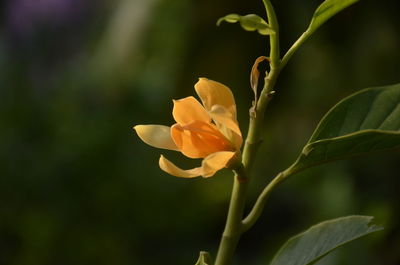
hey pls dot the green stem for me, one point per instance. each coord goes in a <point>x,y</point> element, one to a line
<point>258,207</point>
<point>294,47</point>
<point>273,38</point>
<point>234,226</point>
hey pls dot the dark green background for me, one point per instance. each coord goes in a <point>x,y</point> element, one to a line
<point>77,186</point>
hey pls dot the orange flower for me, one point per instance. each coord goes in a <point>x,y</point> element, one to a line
<point>209,131</point>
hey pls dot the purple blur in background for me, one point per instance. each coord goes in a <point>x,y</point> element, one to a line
<point>24,17</point>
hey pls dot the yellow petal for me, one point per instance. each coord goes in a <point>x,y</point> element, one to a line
<point>199,139</point>
<point>221,115</point>
<point>173,170</point>
<point>214,162</point>
<point>227,124</point>
<point>210,165</point>
<point>188,110</point>
<point>157,136</point>
<point>214,93</point>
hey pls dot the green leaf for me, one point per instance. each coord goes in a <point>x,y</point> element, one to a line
<point>249,22</point>
<point>204,258</point>
<point>319,240</point>
<point>231,18</point>
<point>326,10</point>
<point>363,122</point>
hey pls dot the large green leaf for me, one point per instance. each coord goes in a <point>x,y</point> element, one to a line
<point>319,240</point>
<point>364,122</point>
<point>326,10</point>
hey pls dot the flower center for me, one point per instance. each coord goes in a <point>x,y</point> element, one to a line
<point>199,139</point>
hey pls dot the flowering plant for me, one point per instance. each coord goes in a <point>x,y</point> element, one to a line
<point>363,122</point>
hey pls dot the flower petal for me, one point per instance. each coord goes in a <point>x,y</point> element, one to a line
<point>227,124</point>
<point>157,136</point>
<point>216,161</point>
<point>188,110</point>
<point>210,165</point>
<point>199,139</point>
<point>173,170</point>
<point>214,93</point>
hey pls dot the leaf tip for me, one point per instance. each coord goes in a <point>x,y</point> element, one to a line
<point>231,18</point>
<point>372,226</point>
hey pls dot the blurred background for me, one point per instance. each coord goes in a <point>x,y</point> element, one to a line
<point>77,186</point>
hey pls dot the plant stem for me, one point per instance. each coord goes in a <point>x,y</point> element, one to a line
<point>273,38</point>
<point>255,213</point>
<point>234,226</point>
<point>295,46</point>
